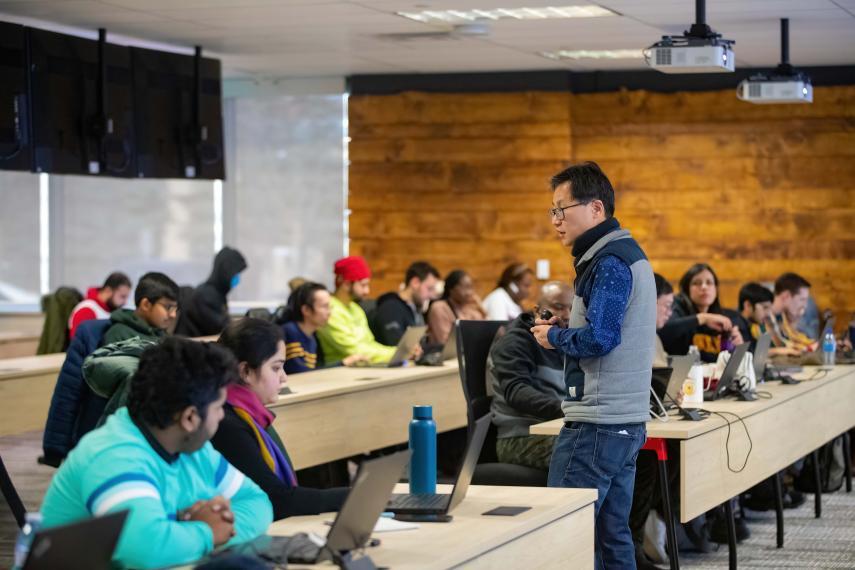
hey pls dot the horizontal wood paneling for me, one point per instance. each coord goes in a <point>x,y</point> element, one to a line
<point>462,180</point>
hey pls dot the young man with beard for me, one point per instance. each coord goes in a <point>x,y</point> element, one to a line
<point>398,310</point>
<point>100,302</point>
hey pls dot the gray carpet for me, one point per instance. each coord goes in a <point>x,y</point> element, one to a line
<point>828,542</point>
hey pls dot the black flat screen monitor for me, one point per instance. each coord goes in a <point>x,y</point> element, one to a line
<point>15,150</point>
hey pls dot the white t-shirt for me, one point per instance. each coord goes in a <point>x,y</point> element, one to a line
<point>500,306</point>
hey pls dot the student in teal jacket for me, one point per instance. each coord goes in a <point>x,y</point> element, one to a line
<point>154,459</point>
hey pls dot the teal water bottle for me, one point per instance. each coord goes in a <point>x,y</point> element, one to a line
<point>423,448</point>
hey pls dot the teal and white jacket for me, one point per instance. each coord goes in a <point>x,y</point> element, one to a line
<point>119,466</point>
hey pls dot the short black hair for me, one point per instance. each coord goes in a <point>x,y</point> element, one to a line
<point>421,270</point>
<point>663,286</point>
<point>251,340</point>
<point>302,296</point>
<point>178,373</point>
<point>686,284</point>
<point>791,282</point>
<point>115,280</point>
<point>754,293</point>
<point>513,273</point>
<point>154,286</point>
<point>587,183</point>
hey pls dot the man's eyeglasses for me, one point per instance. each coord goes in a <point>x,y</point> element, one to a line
<point>558,213</point>
<point>170,308</point>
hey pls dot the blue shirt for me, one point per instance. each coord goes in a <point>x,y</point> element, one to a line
<point>606,297</point>
<point>301,350</point>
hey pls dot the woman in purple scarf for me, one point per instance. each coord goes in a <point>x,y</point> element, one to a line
<point>246,437</point>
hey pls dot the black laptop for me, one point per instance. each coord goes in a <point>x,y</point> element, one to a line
<point>441,504</point>
<point>86,544</point>
<point>725,383</point>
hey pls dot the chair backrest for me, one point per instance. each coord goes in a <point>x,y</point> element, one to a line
<point>474,339</point>
<point>11,495</point>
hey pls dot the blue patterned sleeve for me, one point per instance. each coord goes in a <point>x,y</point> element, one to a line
<point>609,297</point>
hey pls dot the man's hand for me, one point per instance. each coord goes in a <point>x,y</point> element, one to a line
<point>736,336</point>
<point>415,353</point>
<point>541,333</point>
<point>217,514</point>
<point>355,360</point>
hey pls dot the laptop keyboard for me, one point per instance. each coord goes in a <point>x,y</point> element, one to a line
<point>419,501</point>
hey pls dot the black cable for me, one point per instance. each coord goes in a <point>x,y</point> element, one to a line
<point>763,394</point>
<point>818,375</point>
<point>727,440</point>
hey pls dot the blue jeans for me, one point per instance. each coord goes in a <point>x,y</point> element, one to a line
<point>602,457</point>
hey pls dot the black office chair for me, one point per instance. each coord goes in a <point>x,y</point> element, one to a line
<point>474,339</point>
<point>11,495</point>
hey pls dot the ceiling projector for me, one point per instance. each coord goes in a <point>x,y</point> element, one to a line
<point>784,85</point>
<point>698,50</point>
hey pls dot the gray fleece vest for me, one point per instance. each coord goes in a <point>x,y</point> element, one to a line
<point>615,388</point>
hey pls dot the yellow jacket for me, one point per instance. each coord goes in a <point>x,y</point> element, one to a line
<point>347,333</point>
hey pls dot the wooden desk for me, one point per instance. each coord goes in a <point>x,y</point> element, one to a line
<point>795,421</point>
<point>558,532</point>
<point>26,388</point>
<point>17,344</point>
<point>341,412</point>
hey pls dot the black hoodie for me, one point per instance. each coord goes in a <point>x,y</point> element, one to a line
<point>527,380</point>
<point>205,311</point>
<point>391,318</point>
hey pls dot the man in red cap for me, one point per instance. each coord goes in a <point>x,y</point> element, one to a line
<point>347,332</point>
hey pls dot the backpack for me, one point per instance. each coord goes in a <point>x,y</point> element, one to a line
<point>831,468</point>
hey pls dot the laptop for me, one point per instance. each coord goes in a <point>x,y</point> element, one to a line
<point>676,374</point>
<point>412,337</point>
<point>86,544</point>
<point>441,504</point>
<point>435,355</point>
<point>727,377</point>
<point>366,501</point>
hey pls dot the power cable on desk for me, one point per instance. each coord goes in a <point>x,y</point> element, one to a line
<point>727,439</point>
<point>763,394</point>
<point>818,375</point>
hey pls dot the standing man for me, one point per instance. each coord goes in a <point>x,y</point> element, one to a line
<point>100,302</point>
<point>608,349</point>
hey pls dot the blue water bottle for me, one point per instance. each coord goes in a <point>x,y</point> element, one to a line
<point>423,447</point>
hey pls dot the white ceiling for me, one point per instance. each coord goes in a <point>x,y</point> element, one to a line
<point>301,38</point>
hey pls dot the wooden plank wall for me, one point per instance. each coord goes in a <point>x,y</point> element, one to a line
<point>462,180</point>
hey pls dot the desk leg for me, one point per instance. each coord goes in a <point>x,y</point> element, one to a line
<point>779,508</point>
<point>847,457</point>
<point>731,534</point>
<point>670,523</point>
<point>817,482</point>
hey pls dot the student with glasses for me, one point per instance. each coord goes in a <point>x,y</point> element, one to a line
<point>156,297</point>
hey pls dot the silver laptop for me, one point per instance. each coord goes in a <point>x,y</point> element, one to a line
<point>680,366</point>
<point>412,337</point>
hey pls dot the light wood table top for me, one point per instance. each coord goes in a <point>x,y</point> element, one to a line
<point>557,531</point>
<point>26,366</point>
<point>677,428</point>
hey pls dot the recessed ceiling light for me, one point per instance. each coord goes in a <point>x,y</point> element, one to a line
<point>544,13</point>
<point>594,54</point>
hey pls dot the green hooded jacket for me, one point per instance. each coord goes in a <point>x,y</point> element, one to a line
<point>127,324</point>
<point>108,371</point>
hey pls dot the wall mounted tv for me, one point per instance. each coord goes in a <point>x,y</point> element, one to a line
<point>15,150</point>
<point>179,115</point>
<point>82,105</point>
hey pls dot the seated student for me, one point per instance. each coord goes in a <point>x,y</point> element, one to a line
<point>246,437</point>
<point>528,383</point>
<point>101,301</point>
<point>698,317</point>
<point>791,298</point>
<point>156,297</point>
<point>396,311</point>
<point>514,287</point>
<point>307,311</point>
<point>458,301</point>
<point>205,310</point>
<point>153,458</point>
<point>346,332</point>
<point>755,312</point>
